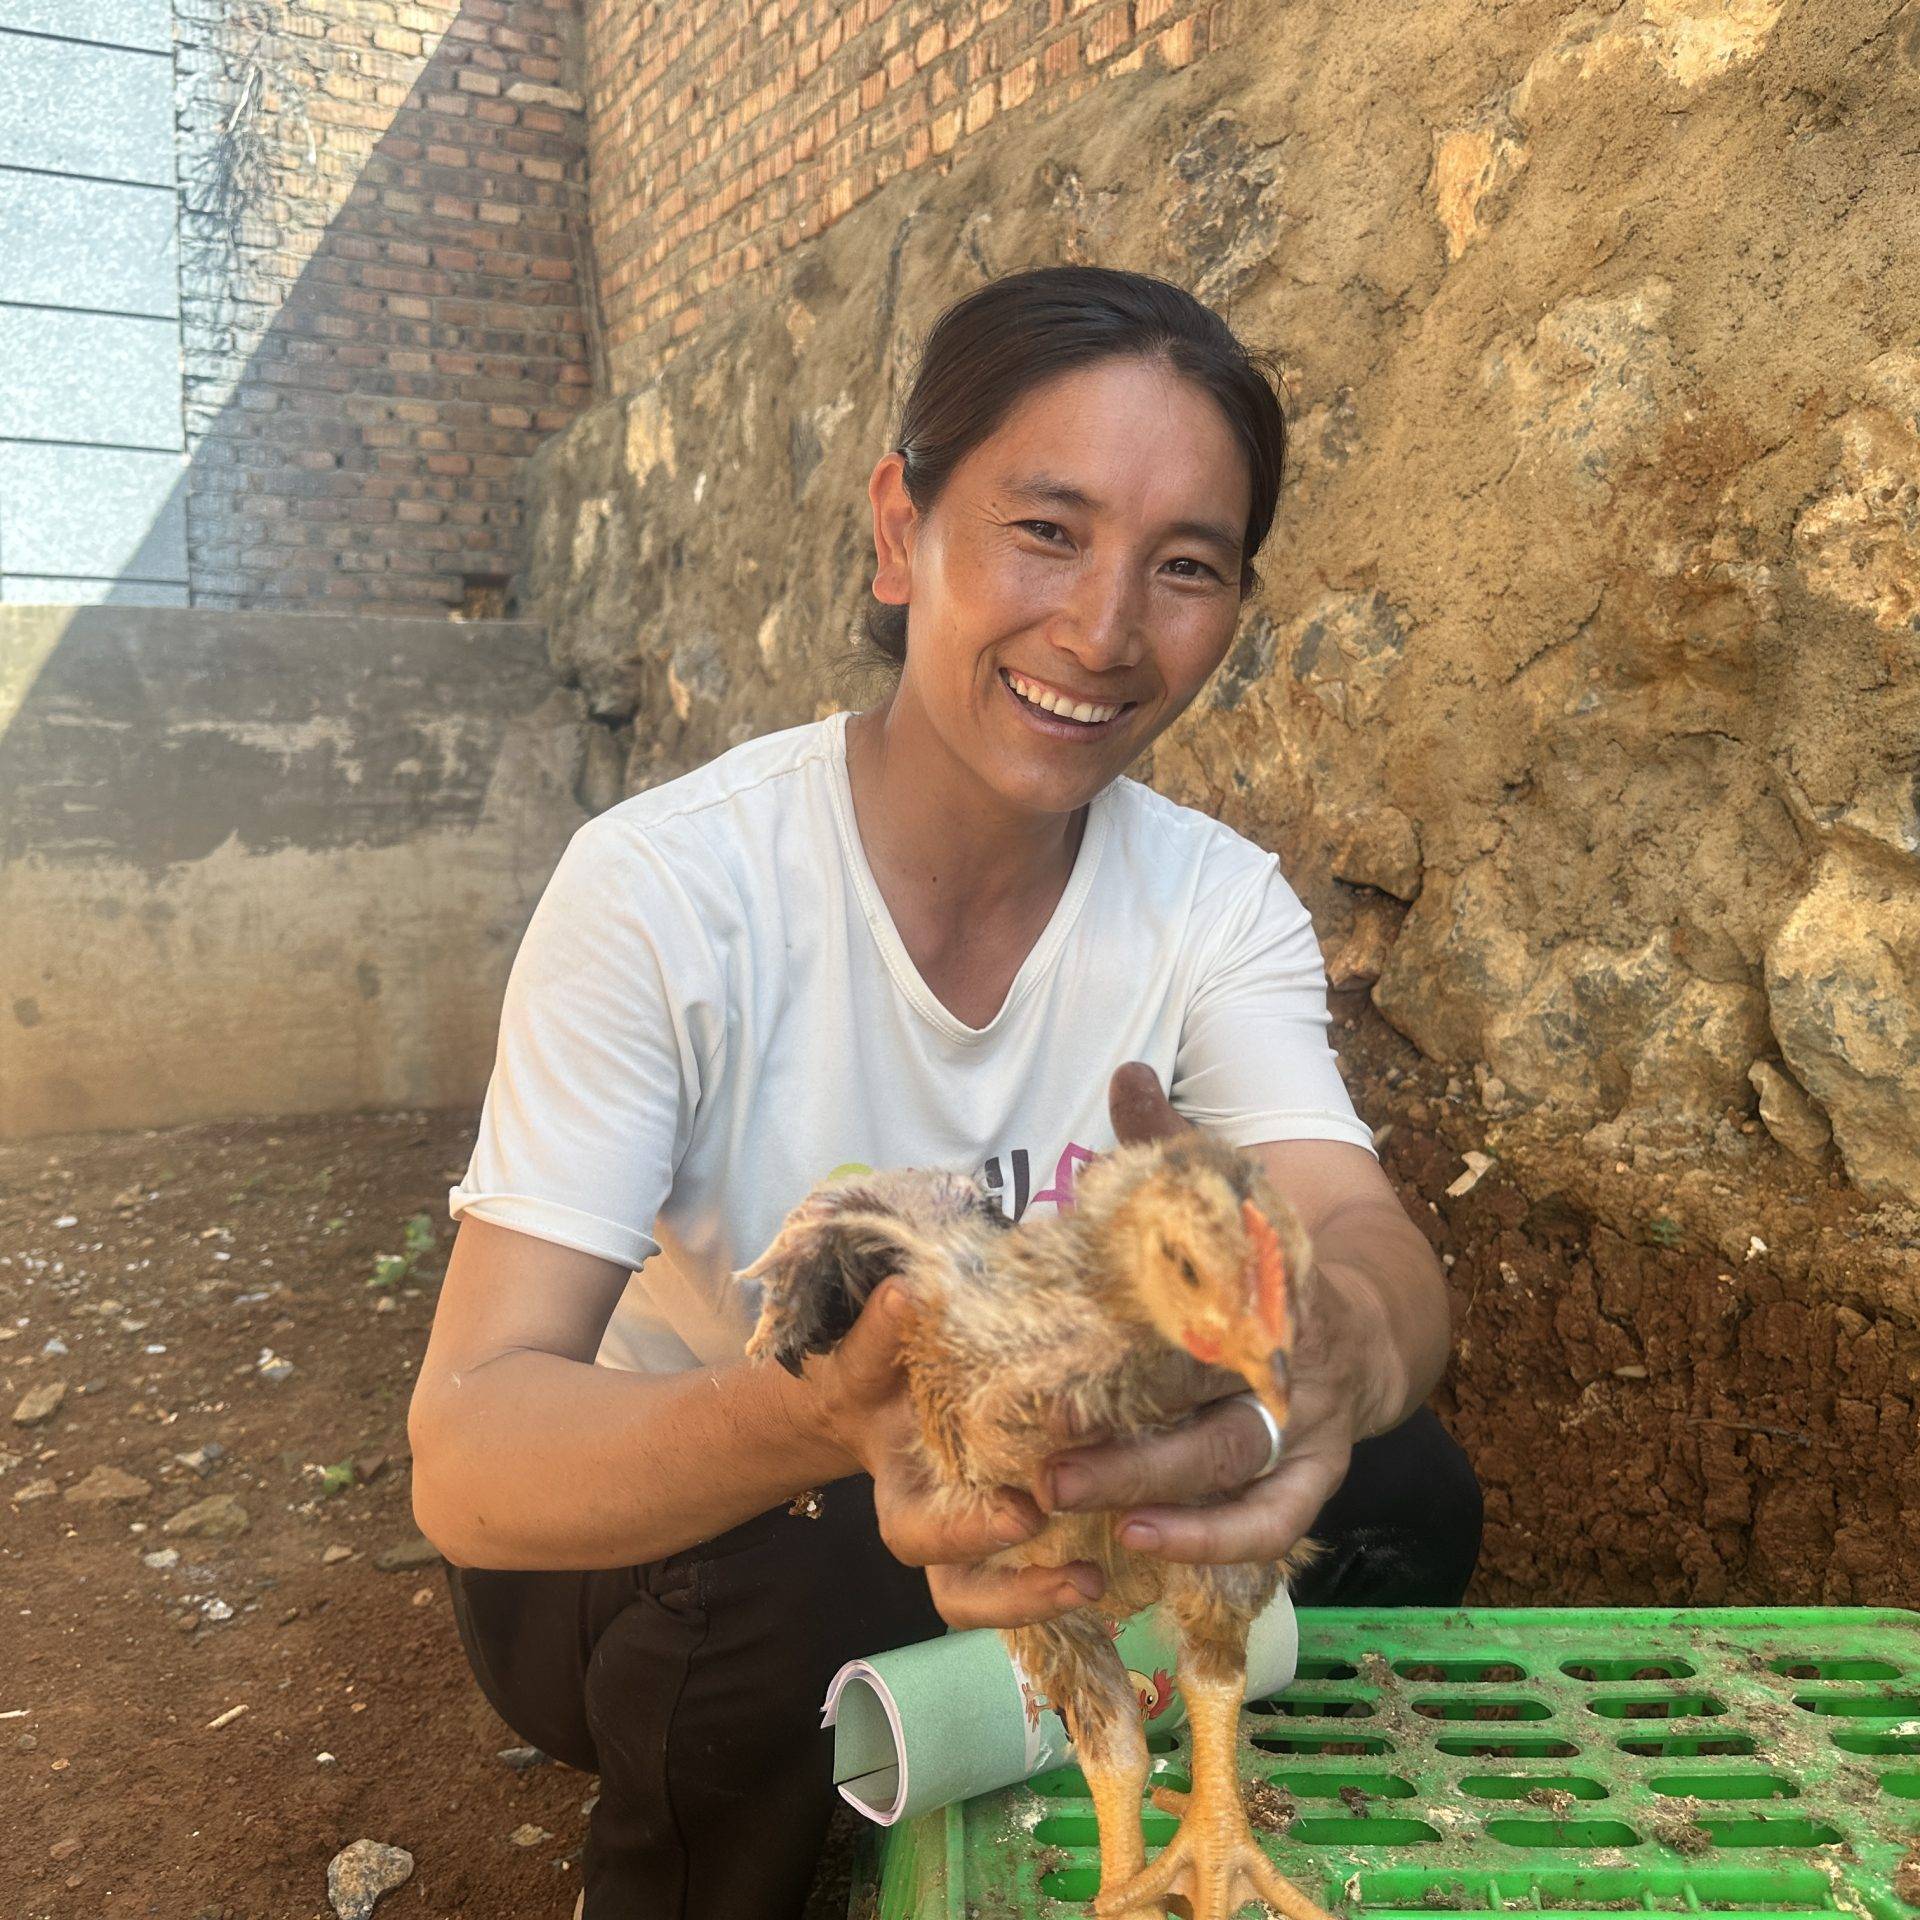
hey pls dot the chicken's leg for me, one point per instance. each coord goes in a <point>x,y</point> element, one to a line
<point>1072,1662</point>
<point>1213,1862</point>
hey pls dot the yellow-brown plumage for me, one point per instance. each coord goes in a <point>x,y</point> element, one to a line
<point>1094,1318</point>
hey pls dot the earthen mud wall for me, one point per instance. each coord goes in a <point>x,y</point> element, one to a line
<point>1581,697</point>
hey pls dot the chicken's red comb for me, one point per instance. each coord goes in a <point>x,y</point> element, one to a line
<point>1270,1301</point>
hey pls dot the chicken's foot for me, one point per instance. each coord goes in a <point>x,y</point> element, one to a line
<point>1213,1861</point>
<point>1115,1783</point>
<point>1073,1663</point>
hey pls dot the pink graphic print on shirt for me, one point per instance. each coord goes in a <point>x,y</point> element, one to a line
<point>1010,1180</point>
<point>1060,1193</point>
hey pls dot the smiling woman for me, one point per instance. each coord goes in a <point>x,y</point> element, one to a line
<point>1039,657</point>
<point>990,357</point>
<point>947,932</point>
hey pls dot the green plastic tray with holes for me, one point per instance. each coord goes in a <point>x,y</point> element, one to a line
<point>1579,1761</point>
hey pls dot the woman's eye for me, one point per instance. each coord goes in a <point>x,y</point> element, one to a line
<point>1042,529</point>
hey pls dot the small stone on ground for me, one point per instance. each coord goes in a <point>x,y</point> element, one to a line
<point>219,1517</point>
<point>408,1555</point>
<point>358,1875</point>
<point>107,1484</point>
<point>39,1404</point>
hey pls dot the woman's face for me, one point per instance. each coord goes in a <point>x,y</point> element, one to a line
<point>1126,596</point>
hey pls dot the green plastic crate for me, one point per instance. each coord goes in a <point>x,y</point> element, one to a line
<point>1577,1761</point>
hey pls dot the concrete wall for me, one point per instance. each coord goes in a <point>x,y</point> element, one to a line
<point>255,864</point>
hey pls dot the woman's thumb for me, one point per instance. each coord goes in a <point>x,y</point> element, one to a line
<point>1139,1110</point>
<point>870,1354</point>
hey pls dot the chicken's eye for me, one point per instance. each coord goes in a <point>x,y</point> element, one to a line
<point>1182,1261</point>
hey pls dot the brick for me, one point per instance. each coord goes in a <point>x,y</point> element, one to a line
<point>559,98</point>
<point>1108,34</point>
<point>1175,45</point>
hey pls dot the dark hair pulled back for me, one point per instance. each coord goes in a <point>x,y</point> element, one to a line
<point>994,344</point>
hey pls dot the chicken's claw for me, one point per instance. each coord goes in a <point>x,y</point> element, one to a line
<point>1213,1863</point>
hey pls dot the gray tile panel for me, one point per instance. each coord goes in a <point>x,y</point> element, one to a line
<point>69,108</point>
<point>121,23</point>
<point>88,243</point>
<point>90,376</point>
<point>95,512</point>
<point>35,590</point>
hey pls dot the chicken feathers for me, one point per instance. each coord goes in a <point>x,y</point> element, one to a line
<point>1169,1283</point>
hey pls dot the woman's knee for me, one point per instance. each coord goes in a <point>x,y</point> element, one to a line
<point>519,1633</point>
<point>1404,1528</point>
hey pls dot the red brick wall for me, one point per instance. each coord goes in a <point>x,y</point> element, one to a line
<point>373,355</point>
<point>723,133</point>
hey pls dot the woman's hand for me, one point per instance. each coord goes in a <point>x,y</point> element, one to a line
<point>1213,1456</point>
<point>861,1399</point>
<point>1219,1449</point>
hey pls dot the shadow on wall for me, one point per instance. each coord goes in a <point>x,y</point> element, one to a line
<point>265,863</point>
<point>260,863</point>
<point>373,333</point>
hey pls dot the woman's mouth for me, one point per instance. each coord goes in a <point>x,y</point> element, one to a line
<point>1062,725</point>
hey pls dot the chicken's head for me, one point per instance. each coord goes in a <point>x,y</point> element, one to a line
<point>1205,1251</point>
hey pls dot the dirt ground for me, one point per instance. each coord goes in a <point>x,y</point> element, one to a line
<point>1684,1378</point>
<point>168,1265</point>
<point>165,1277</point>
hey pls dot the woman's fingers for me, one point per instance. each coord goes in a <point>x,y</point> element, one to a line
<point>1011,1596</point>
<point>1221,1447</point>
<point>1262,1524</point>
<point>924,1530</point>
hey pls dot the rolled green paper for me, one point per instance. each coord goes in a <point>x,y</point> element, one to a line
<point>926,1725</point>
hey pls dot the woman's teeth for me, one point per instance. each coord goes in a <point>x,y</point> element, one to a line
<point>1053,703</point>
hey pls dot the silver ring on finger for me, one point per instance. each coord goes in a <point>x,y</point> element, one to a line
<point>1275,1435</point>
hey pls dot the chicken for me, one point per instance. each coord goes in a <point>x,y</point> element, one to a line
<point>1167,1284</point>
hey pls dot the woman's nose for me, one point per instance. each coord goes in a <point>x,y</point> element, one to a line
<point>1103,627</point>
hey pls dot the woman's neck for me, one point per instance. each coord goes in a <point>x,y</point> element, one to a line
<point>936,834</point>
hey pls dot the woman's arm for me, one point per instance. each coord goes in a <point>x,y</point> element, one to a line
<point>527,1455</point>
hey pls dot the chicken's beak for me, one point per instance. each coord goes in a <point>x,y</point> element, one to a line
<point>1266,1369</point>
<point>1263,1347</point>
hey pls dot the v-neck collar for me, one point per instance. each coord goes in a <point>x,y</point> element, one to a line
<point>887,936</point>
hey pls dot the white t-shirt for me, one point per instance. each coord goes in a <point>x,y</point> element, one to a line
<point>711,1010</point>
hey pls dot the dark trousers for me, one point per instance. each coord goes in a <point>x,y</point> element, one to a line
<point>693,1686</point>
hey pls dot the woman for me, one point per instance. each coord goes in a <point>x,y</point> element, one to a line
<point>924,934</point>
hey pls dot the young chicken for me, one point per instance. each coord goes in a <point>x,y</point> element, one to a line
<point>1170,1276</point>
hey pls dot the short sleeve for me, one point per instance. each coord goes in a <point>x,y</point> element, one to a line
<point>1254,1063</point>
<point>607,1028</point>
